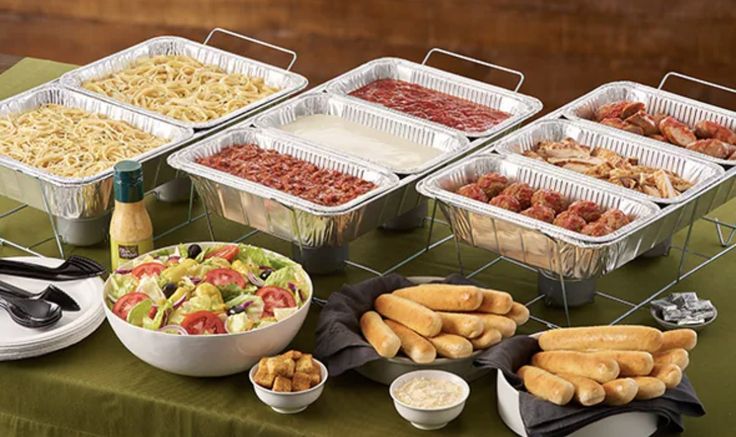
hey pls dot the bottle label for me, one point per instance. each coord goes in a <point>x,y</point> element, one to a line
<point>122,252</point>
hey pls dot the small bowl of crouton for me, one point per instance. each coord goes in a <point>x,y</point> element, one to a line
<point>290,382</point>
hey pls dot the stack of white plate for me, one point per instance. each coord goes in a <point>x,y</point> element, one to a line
<point>17,342</point>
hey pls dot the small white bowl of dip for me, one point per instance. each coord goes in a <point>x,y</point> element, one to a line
<point>429,399</point>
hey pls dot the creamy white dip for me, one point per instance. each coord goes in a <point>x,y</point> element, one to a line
<point>383,148</point>
<point>421,392</point>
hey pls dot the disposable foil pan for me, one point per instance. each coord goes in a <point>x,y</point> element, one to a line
<point>686,110</point>
<point>701,173</point>
<point>87,197</point>
<point>288,82</point>
<point>283,215</point>
<point>540,244</point>
<point>420,132</point>
<point>520,106</point>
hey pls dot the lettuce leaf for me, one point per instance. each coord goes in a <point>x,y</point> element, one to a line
<point>255,257</point>
<point>121,285</point>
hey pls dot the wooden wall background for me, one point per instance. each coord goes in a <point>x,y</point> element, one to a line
<point>565,47</point>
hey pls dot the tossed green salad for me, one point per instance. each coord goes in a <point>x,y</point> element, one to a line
<point>193,290</point>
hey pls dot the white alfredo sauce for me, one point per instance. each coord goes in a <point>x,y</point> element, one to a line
<point>388,150</point>
<point>424,392</point>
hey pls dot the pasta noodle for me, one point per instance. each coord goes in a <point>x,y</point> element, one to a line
<point>71,142</point>
<point>181,87</point>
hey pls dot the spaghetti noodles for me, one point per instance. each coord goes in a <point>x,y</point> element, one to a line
<point>71,142</point>
<point>181,87</point>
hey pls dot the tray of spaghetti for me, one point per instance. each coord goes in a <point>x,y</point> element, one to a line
<point>545,217</point>
<point>58,148</point>
<point>188,83</point>
<point>286,187</point>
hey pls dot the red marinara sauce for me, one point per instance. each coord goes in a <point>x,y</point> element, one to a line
<point>455,112</point>
<point>288,174</point>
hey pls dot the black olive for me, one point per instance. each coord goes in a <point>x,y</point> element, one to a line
<point>193,250</point>
<point>169,289</point>
<point>265,274</point>
<point>237,309</point>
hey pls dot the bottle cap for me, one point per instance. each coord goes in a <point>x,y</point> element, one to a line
<point>128,181</point>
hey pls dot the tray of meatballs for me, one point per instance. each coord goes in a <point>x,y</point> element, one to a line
<point>544,216</point>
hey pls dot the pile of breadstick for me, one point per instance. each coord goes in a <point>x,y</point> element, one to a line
<point>451,321</point>
<point>607,364</point>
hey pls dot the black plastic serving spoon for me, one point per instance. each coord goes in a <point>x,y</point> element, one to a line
<point>31,313</point>
<point>52,293</point>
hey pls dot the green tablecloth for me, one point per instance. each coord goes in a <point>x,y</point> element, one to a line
<point>98,388</point>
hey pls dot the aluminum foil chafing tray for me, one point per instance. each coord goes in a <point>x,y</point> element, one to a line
<point>288,82</point>
<point>451,145</point>
<point>537,243</point>
<point>520,106</point>
<point>686,110</point>
<point>278,213</point>
<point>704,175</point>
<point>91,196</point>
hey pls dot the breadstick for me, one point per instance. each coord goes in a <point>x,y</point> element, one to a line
<point>496,302</point>
<point>501,323</point>
<point>680,357</point>
<point>488,339</point>
<point>409,313</point>
<point>679,339</point>
<point>577,363</point>
<point>379,335</point>
<point>464,325</point>
<point>547,386</point>
<point>452,346</point>
<point>649,387</point>
<point>635,338</point>
<point>630,363</point>
<point>670,374</point>
<point>620,391</point>
<point>416,347</point>
<point>587,391</point>
<point>518,313</point>
<point>443,297</point>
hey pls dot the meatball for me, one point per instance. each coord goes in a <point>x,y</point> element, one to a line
<point>596,229</point>
<point>614,219</point>
<point>551,199</point>
<point>474,192</point>
<point>492,184</point>
<point>569,220</point>
<point>589,211</point>
<point>506,201</point>
<point>540,212</point>
<point>523,193</point>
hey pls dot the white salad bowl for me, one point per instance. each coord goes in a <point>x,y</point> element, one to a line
<point>289,403</point>
<point>430,418</point>
<point>208,355</point>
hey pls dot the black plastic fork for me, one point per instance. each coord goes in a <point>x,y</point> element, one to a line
<point>75,267</point>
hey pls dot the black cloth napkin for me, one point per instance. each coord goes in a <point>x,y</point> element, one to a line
<point>542,418</point>
<point>340,344</point>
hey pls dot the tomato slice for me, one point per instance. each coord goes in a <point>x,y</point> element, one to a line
<point>148,269</point>
<point>203,322</point>
<point>275,297</point>
<point>125,303</point>
<point>222,277</point>
<point>227,252</point>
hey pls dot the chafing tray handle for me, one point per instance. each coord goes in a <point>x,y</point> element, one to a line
<point>517,73</point>
<point>292,53</point>
<point>694,79</point>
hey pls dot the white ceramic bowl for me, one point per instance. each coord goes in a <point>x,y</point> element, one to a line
<point>207,355</point>
<point>289,403</point>
<point>430,418</point>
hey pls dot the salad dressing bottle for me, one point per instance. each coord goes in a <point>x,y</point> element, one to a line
<point>131,231</point>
